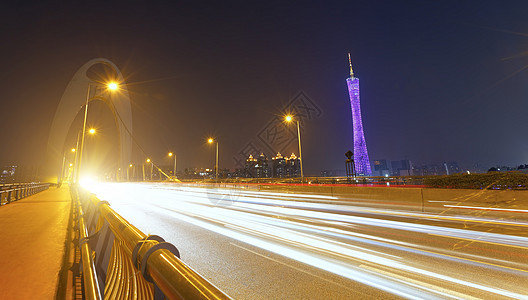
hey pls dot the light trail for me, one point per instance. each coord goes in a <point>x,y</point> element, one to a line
<point>488,208</point>
<point>404,257</point>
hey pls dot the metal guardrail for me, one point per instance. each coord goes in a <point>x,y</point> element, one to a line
<point>16,191</point>
<point>121,262</point>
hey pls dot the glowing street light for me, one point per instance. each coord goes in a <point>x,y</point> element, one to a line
<point>289,119</point>
<point>128,171</point>
<point>91,131</point>
<point>63,171</point>
<point>174,171</point>
<point>113,86</point>
<point>151,168</point>
<point>210,141</point>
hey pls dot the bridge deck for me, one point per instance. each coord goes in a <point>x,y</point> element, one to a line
<point>32,236</point>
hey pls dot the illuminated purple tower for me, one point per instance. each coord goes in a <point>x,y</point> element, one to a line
<point>361,158</point>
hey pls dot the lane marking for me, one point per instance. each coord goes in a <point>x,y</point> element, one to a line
<point>293,267</point>
<point>451,218</point>
<point>479,241</point>
<point>488,208</point>
<point>419,283</point>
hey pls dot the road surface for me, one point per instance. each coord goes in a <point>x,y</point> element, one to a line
<point>263,245</point>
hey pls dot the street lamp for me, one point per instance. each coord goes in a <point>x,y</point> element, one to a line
<point>174,171</point>
<point>78,154</point>
<point>63,171</point>
<point>111,86</point>
<point>289,119</point>
<point>210,141</point>
<point>128,172</point>
<point>151,167</point>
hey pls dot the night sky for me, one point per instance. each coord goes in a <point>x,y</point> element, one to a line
<point>440,80</point>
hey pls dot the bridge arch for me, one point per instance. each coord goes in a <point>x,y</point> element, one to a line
<point>73,100</point>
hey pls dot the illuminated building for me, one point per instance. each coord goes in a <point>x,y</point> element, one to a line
<point>279,167</point>
<point>257,167</point>
<point>295,166</point>
<point>262,169</point>
<point>283,166</point>
<point>361,158</point>
<point>249,167</point>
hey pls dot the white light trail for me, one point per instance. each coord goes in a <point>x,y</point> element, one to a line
<point>322,234</point>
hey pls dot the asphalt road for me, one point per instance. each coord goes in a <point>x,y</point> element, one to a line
<point>262,245</point>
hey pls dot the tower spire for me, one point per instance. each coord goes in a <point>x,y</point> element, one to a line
<point>350,63</point>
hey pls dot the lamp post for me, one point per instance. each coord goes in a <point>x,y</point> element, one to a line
<point>151,167</point>
<point>210,141</point>
<point>78,157</point>
<point>288,119</point>
<point>111,86</point>
<point>174,170</point>
<point>75,177</point>
<point>63,162</point>
<point>128,171</point>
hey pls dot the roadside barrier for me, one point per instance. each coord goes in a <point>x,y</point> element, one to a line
<point>353,181</point>
<point>121,262</point>
<point>16,191</point>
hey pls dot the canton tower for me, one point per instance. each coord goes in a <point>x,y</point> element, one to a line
<point>361,158</point>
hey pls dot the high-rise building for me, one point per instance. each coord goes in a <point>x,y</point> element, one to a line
<point>361,158</point>
<point>381,167</point>
<point>283,166</point>
<point>279,166</point>
<point>249,167</point>
<point>262,169</point>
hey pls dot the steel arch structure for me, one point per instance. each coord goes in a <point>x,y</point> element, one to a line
<point>73,100</point>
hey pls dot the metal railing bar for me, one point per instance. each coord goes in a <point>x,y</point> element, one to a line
<point>173,277</point>
<point>91,286</point>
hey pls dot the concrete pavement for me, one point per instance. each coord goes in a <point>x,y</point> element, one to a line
<point>33,233</point>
